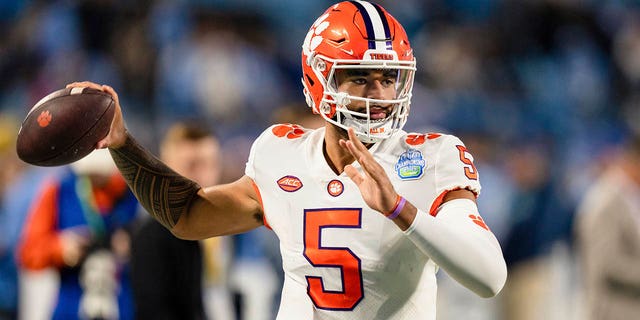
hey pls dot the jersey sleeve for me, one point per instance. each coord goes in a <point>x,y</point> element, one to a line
<point>454,169</point>
<point>266,144</point>
<point>250,167</point>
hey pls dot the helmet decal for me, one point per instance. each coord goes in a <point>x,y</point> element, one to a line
<point>376,25</point>
<point>314,37</point>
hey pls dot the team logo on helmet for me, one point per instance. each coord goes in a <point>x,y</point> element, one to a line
<point>314,36</point>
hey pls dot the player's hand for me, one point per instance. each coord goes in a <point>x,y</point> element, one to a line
<point>74,244</point>
<point>117,133</point>
<point>374,184</point>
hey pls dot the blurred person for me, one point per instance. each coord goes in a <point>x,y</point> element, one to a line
<point>365,212</point>
<point>607,233</point>
<point>167,272</point>
<point>538,222</point>
<point>24,294</point>
<point>78,226</point>
<point>253,280</point>
<point>17,181</point>
<point>9,218</point>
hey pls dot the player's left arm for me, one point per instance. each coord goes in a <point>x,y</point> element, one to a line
<point>455,238</point>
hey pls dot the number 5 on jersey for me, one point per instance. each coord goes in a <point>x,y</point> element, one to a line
<point>332,257</point>
<point>470,170</point>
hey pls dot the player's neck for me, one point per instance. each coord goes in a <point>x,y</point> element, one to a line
<point>334,162</point>
<point>336,156</point>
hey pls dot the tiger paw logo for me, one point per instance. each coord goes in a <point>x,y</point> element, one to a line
<point>291,131</point>
<point>314,36</point>
<point>335,188</point>
<point>478,220</point>
<point>44,118</point>
<point>415,139</point>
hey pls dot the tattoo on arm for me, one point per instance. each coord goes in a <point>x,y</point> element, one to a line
<point>165,194</point>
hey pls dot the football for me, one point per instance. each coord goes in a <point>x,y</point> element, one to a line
<point>64,126</point>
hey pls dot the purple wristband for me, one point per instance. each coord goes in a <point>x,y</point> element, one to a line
<point>398,208</point>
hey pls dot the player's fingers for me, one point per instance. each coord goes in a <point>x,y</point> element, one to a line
<point>84,84</point>
<point>74,84</point>
<point>109,90</point>
<point>104,143</point>
<point>353,174</point>
<point>370,166</point>
<point>353,149</point>
<point>359,146</point>
<point>363,156</point>
<point>360,152</point>
<point>360,156</point>
<point>347,144</point>
<point>117,131</point>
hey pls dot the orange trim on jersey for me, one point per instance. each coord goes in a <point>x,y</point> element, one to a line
<point>40,246</point>
<point>437,202</point>
<point>264,216</point>
<point>440,199</point>
<point>415,139</point>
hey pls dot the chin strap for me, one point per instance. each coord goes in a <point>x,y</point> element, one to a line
<point>459,242</point>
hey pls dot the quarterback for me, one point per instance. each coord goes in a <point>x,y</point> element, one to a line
<point>365,212</point>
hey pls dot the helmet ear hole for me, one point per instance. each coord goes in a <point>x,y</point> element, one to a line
<point>319,65</point>
<point>327,110</point>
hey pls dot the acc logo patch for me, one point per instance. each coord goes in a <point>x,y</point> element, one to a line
<point>410,165</point>
<point>289,183</point>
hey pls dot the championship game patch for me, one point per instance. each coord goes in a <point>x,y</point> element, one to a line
<point>410,165</point>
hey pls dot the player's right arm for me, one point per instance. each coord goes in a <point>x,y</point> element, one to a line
<point>179,204</point>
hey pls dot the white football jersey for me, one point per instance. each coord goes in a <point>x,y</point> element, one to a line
<point>341,259</point>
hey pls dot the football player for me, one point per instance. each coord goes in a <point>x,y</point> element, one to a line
<point>365,212</point>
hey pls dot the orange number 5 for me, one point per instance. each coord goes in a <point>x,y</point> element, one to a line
<point>469,171</point>
<point>332,257</point>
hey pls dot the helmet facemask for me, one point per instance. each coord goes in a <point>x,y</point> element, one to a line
<point>334,104</point>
